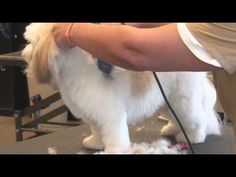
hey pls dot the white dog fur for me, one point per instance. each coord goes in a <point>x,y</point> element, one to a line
<point>109,103</point>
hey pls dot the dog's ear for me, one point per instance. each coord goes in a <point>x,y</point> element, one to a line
<point>38,57</point>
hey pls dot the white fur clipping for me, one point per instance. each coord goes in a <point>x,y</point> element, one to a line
<point>156,147</point>
<point>52,151</point>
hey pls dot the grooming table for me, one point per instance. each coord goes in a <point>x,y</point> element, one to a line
<point>69,141</point>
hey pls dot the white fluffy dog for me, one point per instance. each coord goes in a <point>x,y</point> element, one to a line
<point>109,102</point>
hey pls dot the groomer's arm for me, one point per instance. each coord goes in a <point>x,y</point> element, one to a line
<point>146,25</point>
<point>153,49</point>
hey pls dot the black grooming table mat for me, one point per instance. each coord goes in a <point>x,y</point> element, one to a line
<point>69,141</point>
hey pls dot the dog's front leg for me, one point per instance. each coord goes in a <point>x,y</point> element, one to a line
<point>94,141</point>
<point>116,135</point>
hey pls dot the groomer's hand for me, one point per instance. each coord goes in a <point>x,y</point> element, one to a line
<point>59,32</point>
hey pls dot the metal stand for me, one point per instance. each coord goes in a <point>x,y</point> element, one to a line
<point>38,119</point>
<point>36,99</point>
<point>18,122</point>
<point>70,117</point>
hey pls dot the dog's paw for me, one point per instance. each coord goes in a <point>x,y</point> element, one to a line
<point>93,143</point>
<point>169,130</point>
<point>194,138</point>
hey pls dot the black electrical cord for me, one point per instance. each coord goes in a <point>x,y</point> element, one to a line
<point>173,112</point>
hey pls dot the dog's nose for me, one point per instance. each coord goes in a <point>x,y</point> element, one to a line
<point>104,67</point>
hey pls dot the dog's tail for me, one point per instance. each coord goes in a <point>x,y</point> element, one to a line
<point>41,49</point>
